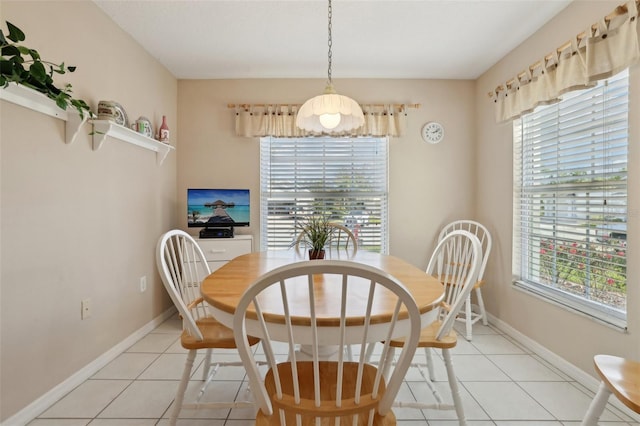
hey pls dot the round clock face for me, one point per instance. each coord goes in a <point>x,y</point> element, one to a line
<point>432,132</point>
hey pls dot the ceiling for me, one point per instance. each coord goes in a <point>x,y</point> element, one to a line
<point>434,39</point>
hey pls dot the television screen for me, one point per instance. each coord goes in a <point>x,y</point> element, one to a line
<point>212,208</point>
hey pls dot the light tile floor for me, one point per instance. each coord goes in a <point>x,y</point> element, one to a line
<point>502,384</point>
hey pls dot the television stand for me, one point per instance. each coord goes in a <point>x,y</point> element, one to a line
<point>217,232</point>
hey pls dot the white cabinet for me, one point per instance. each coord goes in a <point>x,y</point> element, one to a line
<point>219,251</point>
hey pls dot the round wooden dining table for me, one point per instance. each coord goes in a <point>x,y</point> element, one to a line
<point>223,288</point>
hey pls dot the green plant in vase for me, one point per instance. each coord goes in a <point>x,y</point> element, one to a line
<point>22,65</point>
<point>315,233</point>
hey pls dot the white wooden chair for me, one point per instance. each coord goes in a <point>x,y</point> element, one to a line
<point>182,267</point>
<point>342,241</point>
<point>300,391</point>
<point>470,316</point>
<point>620,377</point>
<point>456,261</point>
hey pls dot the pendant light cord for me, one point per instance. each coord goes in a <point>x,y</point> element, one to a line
<point>330,43</point>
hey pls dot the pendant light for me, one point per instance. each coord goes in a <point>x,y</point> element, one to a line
<point>330,112</point>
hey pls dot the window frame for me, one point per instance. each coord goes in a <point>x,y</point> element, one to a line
<point>526,219</point>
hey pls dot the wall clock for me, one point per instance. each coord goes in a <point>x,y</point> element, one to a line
<point>432,132</point>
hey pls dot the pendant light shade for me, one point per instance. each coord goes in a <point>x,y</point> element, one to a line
<point>330,112</point>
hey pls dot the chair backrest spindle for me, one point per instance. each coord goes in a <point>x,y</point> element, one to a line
<point>477,229</point>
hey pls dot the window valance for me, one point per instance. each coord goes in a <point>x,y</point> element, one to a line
<point>260,120</point>
<point>603,50</point>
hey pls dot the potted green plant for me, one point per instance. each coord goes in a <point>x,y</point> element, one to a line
<point>315,233</point>
<point>22,65</point>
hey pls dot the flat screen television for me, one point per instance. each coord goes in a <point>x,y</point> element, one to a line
<point>215,208</point>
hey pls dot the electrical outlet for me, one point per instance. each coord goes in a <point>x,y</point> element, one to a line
<point>143,284</point>
<point>85,307</point>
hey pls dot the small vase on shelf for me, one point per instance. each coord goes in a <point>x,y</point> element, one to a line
<point>163,133</point>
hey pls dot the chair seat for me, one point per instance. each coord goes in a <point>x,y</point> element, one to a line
<point>428,338</point>
<point>215,335</point>
<point>327,395</point>
<point>622,377</point>
<point>388,420</point>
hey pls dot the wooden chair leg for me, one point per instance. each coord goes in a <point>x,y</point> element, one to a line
<point>597,406</point>
<point>453,384</point>
<point>182,387</point>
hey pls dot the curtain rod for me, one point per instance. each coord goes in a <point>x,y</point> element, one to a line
<point>618,11</point>
<point>365,104</point>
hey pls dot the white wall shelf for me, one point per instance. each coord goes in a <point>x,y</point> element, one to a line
<point>36,101</point>
<point>104,128</point>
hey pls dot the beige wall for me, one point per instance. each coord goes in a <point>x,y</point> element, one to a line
<point>571,336</point>
<point>430,185</point>
<point>77,223</point>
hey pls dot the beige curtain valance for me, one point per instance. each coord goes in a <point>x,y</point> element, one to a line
<point>260,120</point>
<point>603,50</point>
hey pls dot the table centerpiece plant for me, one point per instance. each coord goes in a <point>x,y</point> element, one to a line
<point>316,233</point>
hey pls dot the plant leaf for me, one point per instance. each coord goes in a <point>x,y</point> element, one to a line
<point>34,54</point>
<point>6,67</point>
<point>15,33</point>
<point>53,89</point>
<point>16,67</point>
<point>10,50</point>
<point>59,70</point>
<point>38,72</point>
<point>33,84</point>
<point>61,100</point>
<point>3,40</point>
<point>71,68</point>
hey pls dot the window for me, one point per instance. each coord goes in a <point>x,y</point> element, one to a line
<point>345,178</point>
<point>570,200</point>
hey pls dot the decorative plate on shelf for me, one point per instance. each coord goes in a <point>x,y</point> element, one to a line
<point>112,111</point>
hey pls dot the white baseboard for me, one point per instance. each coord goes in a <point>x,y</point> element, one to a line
<point>41,404</point>
<point>579,375</point>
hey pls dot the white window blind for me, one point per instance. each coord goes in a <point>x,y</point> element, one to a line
<point>344,178</point>
<point>570,200</point>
